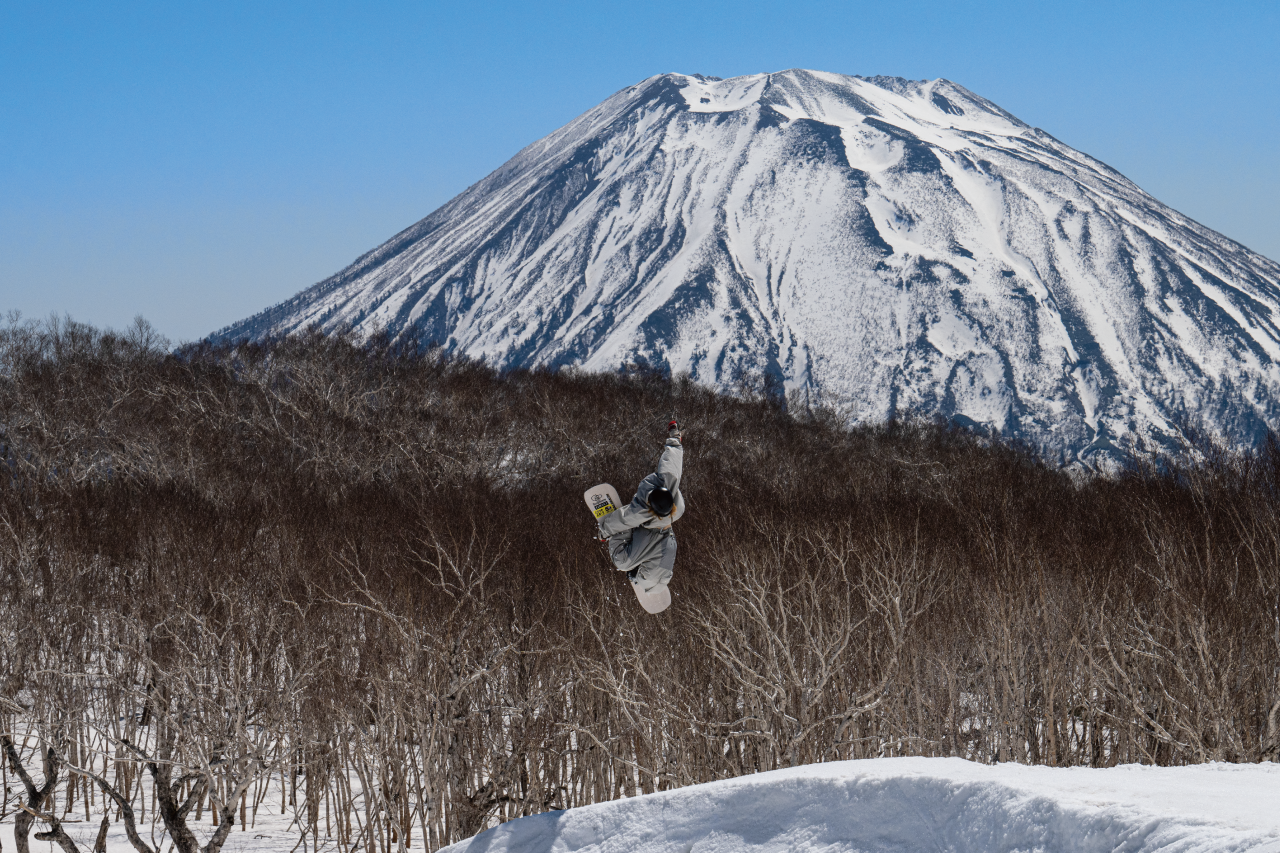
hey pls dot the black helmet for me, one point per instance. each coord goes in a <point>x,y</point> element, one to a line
<point>661,501</point>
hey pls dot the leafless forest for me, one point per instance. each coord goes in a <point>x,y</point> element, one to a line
<point>366,577</point>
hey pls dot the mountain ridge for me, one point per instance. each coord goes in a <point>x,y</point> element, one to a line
<point>883,244</point>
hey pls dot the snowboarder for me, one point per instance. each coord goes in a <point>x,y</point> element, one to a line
<point>639,536</point>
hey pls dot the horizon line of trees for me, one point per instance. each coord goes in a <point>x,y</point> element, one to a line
<point>364,576</point>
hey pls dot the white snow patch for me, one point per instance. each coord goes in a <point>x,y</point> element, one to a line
<point>952,336</point>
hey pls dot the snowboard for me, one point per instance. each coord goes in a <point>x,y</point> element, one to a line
<point>602,500</point>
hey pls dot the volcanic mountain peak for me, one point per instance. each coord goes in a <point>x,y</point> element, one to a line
<point>886,245</point>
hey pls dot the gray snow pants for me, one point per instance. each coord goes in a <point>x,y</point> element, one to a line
<point>651,554</point>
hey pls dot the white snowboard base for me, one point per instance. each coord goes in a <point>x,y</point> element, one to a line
<point>602,500</point>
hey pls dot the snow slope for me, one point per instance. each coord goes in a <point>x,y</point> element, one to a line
<point>917,804</point>
<point>888,245</point>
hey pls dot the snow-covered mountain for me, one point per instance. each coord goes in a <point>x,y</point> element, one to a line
<point>888,245</point>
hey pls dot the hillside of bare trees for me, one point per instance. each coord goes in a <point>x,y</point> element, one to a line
<point>363,579</point>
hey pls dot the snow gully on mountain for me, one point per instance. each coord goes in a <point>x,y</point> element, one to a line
<point>888,246</point>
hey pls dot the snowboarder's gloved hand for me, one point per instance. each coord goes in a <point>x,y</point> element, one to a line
<point>673,431</point>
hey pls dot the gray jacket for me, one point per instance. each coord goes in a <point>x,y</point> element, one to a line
<point>639,539</point>
<point>637,513</point>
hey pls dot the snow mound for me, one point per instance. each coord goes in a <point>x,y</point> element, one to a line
<point>910,804</point>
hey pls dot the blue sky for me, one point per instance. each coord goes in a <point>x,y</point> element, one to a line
<point>196,161</point>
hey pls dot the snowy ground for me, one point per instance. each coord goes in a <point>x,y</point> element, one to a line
<point>271,832</point>
<point>915,804</point>
<point>892,804</point>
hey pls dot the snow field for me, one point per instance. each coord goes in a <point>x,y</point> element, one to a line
<point>916,804</point>
<point>270,833</point>
<point>272,830</point>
